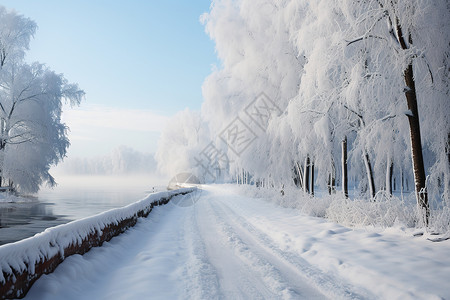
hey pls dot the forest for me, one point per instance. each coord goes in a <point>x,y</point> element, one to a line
<point>343,97</point>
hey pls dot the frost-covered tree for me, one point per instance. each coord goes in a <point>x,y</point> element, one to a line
<point>32,136</point>
<point>341,74</point>
<point>181,143</point>
<point>15,34</point>
<point>406,46</point>
<point>253,41</point>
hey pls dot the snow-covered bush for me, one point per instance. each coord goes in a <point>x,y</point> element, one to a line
<point>383,212</point>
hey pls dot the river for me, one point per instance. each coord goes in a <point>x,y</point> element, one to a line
<point>74,198</point>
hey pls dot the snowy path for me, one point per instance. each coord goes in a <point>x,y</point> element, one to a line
<point>234,247</point>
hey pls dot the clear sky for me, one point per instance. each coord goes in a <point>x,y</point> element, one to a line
<point>138,61</point>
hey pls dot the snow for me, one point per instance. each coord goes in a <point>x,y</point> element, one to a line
<point>26,253</point>
<point>233,246</point>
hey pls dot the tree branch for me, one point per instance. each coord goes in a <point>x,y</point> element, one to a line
<point>357,114</point>
<point>313,111</point>
<point>20,142</point>
<point>363,38</point>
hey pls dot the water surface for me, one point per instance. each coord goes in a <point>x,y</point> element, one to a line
<point>74,198</point>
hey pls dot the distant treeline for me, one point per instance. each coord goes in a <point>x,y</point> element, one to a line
<point>120,161</point>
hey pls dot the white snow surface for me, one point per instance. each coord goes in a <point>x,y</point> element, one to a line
<point>229,246</point>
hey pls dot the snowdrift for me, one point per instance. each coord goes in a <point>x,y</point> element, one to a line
<point>23,262</point>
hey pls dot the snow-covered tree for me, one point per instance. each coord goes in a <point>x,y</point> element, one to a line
<point>181,143</point>
<point>406,46</point>
<point>32,136</point>
<point>253,41</point>
<point>339,72</point>
<point>15,34</point>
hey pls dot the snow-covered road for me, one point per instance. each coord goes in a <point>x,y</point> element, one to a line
<point>228,246</point>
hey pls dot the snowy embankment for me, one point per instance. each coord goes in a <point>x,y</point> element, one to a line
<point>23,262</point>
<point>230,246</point>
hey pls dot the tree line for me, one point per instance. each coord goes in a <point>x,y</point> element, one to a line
<point>363,90</point>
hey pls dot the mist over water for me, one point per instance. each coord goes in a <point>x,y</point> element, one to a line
<point>82,196</point>
<point>74,198</point>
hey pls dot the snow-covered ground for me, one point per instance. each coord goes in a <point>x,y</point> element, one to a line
<point>238,247</point>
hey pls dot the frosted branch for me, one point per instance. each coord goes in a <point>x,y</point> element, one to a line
<point>21,142</point>
<point>357,114</point>
<point>387,118</point>
<point>363,38</point>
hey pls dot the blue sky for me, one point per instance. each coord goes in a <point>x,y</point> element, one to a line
<point>135,59</point>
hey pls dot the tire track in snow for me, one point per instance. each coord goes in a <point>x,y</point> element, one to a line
<point>264,278</point>
<point>236,280</point>
<point>207,251</point>
<point>200,276</point>
<point>329,285</point>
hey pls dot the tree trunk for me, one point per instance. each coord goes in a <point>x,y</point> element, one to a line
<point>445,176</point>
<point>369,174</point>
<point>306,176</point>
<point>414,130</point>
<point>331,181</point>
<point>402,184</point>
<point>333,177</point>
<point>344,168</point>
<point>298,177</point>
<point>2,146</point>
<point>311,188</point>
<point>447,148</point>
<point>389,169</point>
<point>391,176</point>
<point>416,143</point>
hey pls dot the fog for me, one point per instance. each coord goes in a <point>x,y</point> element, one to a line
<point>124,169</point>
<point>109,182</point>
<point>121,160</point>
